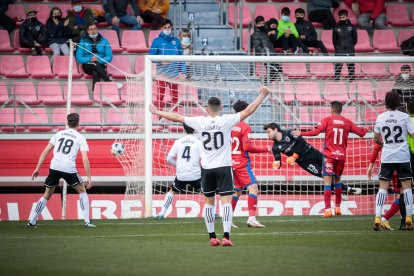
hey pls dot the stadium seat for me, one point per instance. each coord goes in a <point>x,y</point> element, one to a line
<point>371,113</point>
<point>322,70</point>
<point>363,44</point>
<point>113,39</point>
<point>136,98</point>
<point>308,93</point>
<point>80,94</point>
<point>362,92</point>
<point>114,119</point>
<point>39,67</point>
<point>16,43</point>
<point>372,70</point>
<point>16,11</point>
<point>304,119</point>
<point>280,1</point>
<point>61,65</point>
<point>384,41</point>
<point>395,68</point>
<point>288,92</point>
<point>139,64</point>
<point>245,40</point>
<point>295,70</point>
<point>50,93</point>
<point>8,117</point>
<point>345,73</point>
<point>107,93</point>
<point>4,94</point>
<point>335,91</point>
<point>404,35</point>
<point>187,94</point>
<point>5,46</point>
<point>99,9</point>
<point>326,38</point>
<point>318,113</point>
<point>92,119</point>
<point>12,66</point>
<point>350,112</point>
<point>397,15</point>
<point>25,93</point>
<point>247,16</point>
<point>59,118</point>
<point>121,62</point>
<point>38,117</point>
<point>351,15</point>
<point>153,34</point>
<point>43,11</point>
<point>267,11</point>
<point>382,88</point>
<point>134,41</point>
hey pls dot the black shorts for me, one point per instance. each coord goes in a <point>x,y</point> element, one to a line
<point>180,186</point>
<point>218,180</point>
<point>387,170</point>
<point>311,161</point>
<point>54,176</point>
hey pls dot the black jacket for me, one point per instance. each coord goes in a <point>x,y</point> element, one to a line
<point>260,41</point>
<point>36,27</point>
<point>57,33</point>
<point>344,37</point>
<point>4,6</point>
<point>306,28</point>
<point>119,7</point>
<point>313,5</point>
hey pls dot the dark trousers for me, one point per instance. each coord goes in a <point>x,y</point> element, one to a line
<point>162,86</point>
<point>325,17</point>
<point>31,38</point>
<point>351,70</point>
<point>154,18</point>
<point>7,23</point>
<point>316,44</point>
<point>97,70</point>
<point>287,42</point>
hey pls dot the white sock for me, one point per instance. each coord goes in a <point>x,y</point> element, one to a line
<point>227,217</point>
<point>38,210</point>
<point>252,218</point>
<point>209,217</point>
<point>167,202</point>
<point>84,203</point>
<point>408,200</point>
<point>379,201</point>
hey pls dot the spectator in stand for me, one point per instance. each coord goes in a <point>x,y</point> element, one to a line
<point>79,17</point>
<point>58,33</point>
<point>167,44</point>
<point>6,22</point>
<point>271,28</point>
<point>116,12</point>
<point>32,33</point>
<point>287,34</point>
<point>307,33</point>
<point>371,13</point>
<point>344,37</point>
<point>404,85</point>
<point>320,11</point>
<point>185,39</point>
<point>154,11</point>
<point>262,45</point>
<point>94,52</point>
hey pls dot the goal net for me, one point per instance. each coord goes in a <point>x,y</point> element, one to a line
<point>301,90</point>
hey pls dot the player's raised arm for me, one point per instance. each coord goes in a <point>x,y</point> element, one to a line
<point>42,158</point>
<point>252,107</point>
<point>175,117</point>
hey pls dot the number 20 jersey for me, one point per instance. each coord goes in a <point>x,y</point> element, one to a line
<point>215,135</point>
<point>394,127</point>
<point>66,146</point>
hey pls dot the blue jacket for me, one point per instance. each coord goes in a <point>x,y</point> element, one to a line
<point>103,49</point>
<point>168,45</point>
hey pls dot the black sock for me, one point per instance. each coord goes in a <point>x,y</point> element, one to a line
<point>226,235</point>
<point>402,206</point>
<point>212,235</point>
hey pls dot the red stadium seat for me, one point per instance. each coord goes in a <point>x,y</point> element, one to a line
<point>4,94</point>
<point>247,16</point>
<point>404,35</point>
<point>38,117</point>
<point>319,113</point>
<point>5,46</point>
<point>326,38</point>
<point>139,64</point>
<point>363,44</point>
<point>137,97</point>
<point>113,39</point>
<point>350,113</point>
<point>373,70</point>
<point>153,34</point>
<point>351,15</point>
<point>39,67</point>
<point>59,117</point>
<point>267,11</point>
<point>304,119</point>
<point>134,41</point>
<point>92,119</point>
<point>114,119</point>
<point>322,70</point>
<point>25,93</point>
<point>382,88</point>
<point>245,40</point>
<point>61,67</point>
<point>363,92</point>
<point>335,91</point>
<point>371,114</point>
<point>80,94</point>
<point>187,94</point>
<point>107,93</point>
<point>397,15</point>
<point>395,68</point>
<point>16,11</point>
<point>50,93</point>
<point>308,93</point>
<point>295,70</point>
<point>384,41</point>
<point>8,117</point>
<point>288,92</point>
<point>43,11</point>
<point>121,62</point>
<point>13,67</point>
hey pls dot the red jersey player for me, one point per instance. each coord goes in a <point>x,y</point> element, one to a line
<point>336,129</point>
<point>242,171</point>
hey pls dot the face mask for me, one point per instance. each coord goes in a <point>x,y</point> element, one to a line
<point>299,19</point>
<point>77,8</point>
<point>167,32</point>
<point>33,19</point>
<point>405,76</point>
<point>93,36</point>
<point>58,17</point>
<point>261,28</point>
<point>343,21</point>
<point>185,40</point>
<point>285,18</point>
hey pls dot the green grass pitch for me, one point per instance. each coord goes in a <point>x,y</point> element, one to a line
<point>289,245</point>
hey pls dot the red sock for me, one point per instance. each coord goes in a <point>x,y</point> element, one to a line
<point>338,196</point>
<point>327,197</point>
<point>395,207</point>
<point>234,200</point>
<point>252,204</point>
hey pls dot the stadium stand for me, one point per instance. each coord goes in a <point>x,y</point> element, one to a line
<point>50,93</point>
<point>5,45</point>
<point>39,67</point>
<point>12,66</point>
<point>25,93</point>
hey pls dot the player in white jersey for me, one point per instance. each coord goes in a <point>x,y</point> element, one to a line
<point>216,170</point>
<point>394,126</point>
<point>185,155</point>
<point>65,145</point>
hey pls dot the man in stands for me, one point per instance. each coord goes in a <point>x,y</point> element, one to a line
<point>32,33</point>
<point>287,35</point>
<point>320,11</point>
<point>154,11</point>
<point>404,85</point>
<point>116,12</point>
<point>6,22</point>
<point>371,14</point>
<point>79,18</point>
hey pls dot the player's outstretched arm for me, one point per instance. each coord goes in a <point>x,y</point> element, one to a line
<point>175,117</point>
<point>42,158</point>
<point>252,107</point>
<point>87,168</point>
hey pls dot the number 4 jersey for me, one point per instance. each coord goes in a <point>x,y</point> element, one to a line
<point>66,146</point>
<point>394,127</point>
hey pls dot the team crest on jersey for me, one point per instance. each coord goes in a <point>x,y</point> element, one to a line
<point>287,139</point>
<point>328,166</point>
<point>349,29</point>
<point>173,42</point>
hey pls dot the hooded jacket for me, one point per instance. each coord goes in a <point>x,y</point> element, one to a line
<point>344,37</point>
<point>103,49</point>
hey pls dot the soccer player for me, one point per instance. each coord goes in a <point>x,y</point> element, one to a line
<point>185,155</point>
<point>336,129</point>
<point>216,171</point>
<point>394,126</point>
<point>242,171</point>
<point>65,145</point>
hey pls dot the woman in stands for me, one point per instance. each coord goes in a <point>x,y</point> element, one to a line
<point>154,11</point>
<point>58,33</point>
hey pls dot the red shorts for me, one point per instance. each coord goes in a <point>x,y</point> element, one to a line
<point>243,178</point>
<point>331,166</point>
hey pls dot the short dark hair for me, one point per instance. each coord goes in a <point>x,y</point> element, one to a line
<point>285,11</point>
<point>188,129</point>
<point>336,107</point>
<point>300,10</point>
<point>272,21</point>
<point>165,22</point>
<point>392,100</point>
<point>90,24</point>
<point>406,67</point>
<point>73,120</point>
<point>272,126</point>
<point>343,12</point>
<point>259,19</point>
<point>214,104</point>
<point>240,106</point>
<point>410,107</point>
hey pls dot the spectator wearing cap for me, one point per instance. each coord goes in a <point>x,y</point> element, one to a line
<point>154,11</point>
<point>58,33</point>
<point>321,11</point>
<point>116,12</point>
<point>33,33</point>
<point>371,13</point>
<point>6,22</point>
<point>79,17</point>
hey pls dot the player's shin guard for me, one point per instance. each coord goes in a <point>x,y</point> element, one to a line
<point>234,201</point>
<point>408,200</point>
<point>167,202</point>
<point>379,201</point>
<point>38,210</point>
<point>227,219</point>
<point>327,196</point>
<point>210,218</point>
<point>338,194</point>
<point>84,203</point>
<point>395,207</point>
<point>252,205</point>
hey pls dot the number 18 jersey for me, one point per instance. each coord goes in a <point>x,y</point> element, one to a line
<point>66,146</point>
<point>394,127</point>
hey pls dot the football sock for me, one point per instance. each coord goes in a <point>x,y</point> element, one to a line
<point>395,207</point>
<point>84,203</point>
<point>408,200</point>
<point>379,201</point>
<point>338,194</point>
<point>402,206</point>
<point>209,218</point>
<point>227,217</point>
<point>327,196</point>
<point>234,200</point>
<point>167,202</point>
<point>252,205</point>
<point>38,210</point>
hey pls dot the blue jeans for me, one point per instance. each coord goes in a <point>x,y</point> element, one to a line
<point>129,20</point>
<point>364,18</point>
